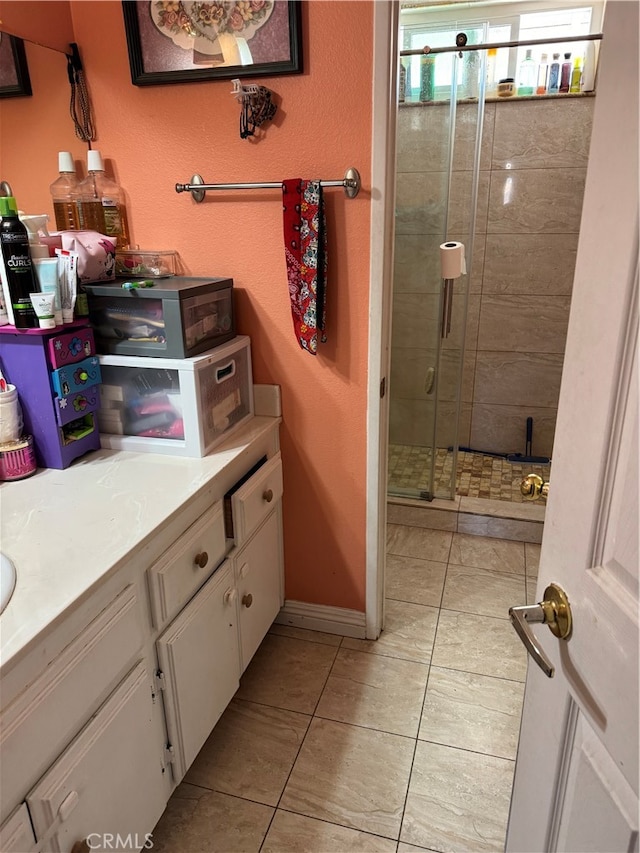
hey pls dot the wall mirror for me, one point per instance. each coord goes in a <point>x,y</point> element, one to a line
<point>33,130</point>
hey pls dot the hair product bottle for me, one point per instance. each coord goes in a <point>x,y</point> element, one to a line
<point>576,75</point>
<point>64,193</point>
<point>492,83</point>
<point>543,73</point>
<point>427,71</point>
<point>20,279</point>
<point>102,206</point>
<point>527,75</point>
<point>565,74</point>
<point>554,75</point>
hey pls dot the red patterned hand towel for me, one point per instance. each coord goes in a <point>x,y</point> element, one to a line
<point>306,254</point>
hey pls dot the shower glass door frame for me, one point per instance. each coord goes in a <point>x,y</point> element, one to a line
<point>425,407</point>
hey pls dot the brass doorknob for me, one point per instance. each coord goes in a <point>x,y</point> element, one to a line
<point>555,611</point>
<point>533,487</point>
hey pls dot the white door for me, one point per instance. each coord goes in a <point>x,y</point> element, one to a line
<point>576,781</point>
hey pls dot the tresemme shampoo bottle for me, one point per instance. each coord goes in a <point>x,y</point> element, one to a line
<point>21,281</point>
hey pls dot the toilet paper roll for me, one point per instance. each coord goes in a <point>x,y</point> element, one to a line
<point>452,261</point>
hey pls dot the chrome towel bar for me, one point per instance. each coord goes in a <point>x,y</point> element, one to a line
<point>351,184</point>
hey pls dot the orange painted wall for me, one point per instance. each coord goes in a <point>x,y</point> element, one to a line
<point>156,136</point>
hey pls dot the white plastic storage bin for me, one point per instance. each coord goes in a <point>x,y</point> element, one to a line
<point>178,406</point>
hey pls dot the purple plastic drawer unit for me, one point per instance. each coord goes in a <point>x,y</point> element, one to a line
<point>57,387</point>
<point>71,347</point>
<point>177,317</point>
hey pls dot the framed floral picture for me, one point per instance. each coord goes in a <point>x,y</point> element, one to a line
<point>14,74</point>
<point>180,41</point>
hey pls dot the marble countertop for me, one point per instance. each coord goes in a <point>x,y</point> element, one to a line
<point>65,531</point>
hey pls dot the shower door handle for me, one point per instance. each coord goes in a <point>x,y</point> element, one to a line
<point>447,307</point>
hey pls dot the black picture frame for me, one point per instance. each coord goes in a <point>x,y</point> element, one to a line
<point>140,40</point>
<point>14,72</point>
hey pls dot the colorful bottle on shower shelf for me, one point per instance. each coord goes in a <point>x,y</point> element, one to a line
<point>576,76</point>
<point>543,73</point>
<point>402,83</point>
<point>492,83</point>
<point>427,83</point>
<point>565,74</point>
<point>554,75</point>
<point>527,75</point>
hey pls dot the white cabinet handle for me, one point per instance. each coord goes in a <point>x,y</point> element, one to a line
<point>230,596</point>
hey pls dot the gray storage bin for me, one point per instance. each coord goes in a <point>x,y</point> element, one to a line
<point>178,317</point>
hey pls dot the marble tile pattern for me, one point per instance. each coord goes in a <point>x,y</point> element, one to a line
<point>533,167</point>
<point>395,753</point>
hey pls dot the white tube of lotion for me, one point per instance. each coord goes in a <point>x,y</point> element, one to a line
<point>43,306</point>
<point>67,277</point>
<point>47,275</point>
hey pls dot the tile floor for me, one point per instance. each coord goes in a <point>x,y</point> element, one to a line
<point>333,745</point>
<point>477,475</point>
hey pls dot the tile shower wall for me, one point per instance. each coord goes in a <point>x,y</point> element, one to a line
<point>532,172</point>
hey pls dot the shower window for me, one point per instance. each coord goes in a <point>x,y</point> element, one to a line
<point>438,25</point>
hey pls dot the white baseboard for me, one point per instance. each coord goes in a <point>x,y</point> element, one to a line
<point>321,617</point>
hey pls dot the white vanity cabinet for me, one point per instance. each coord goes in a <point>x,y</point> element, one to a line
<point>103,712</point>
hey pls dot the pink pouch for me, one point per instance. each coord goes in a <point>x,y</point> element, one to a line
<point>96,254</point>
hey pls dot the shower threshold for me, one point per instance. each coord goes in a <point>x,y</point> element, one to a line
<point>478,475</point>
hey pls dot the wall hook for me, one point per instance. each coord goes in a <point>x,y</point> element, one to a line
<point>256,106</point>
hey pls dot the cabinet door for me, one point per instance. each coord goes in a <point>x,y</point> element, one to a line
<point>259,583</point>
<point>199,657</point>
<point>111,779</point>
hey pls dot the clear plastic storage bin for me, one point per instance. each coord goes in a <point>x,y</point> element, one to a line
<point>183,407</point>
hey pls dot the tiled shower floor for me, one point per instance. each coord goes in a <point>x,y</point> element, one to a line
<point>477,475</point>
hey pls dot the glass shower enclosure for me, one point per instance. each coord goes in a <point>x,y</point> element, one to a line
<point>438,143</point>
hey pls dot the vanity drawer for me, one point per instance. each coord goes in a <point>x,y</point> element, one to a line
<point>187,564</point>
<point>41,721</point>
<point>255,499</point>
